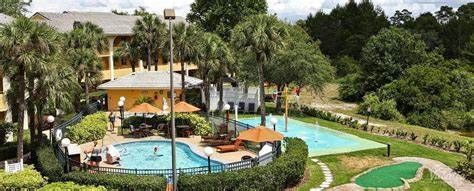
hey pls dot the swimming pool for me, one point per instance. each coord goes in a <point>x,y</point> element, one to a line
<point>140,155</point>
<point>320,140</point>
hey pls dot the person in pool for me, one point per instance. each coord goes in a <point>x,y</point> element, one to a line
<point>156,150</point>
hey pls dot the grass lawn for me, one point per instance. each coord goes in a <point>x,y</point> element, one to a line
<point>429,182</point>
<point>347,165</point>
<point>316,177</point>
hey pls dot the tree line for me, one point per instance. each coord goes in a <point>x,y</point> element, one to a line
<point>419,69</point>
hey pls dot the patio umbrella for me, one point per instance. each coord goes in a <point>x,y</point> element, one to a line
<point>260,134</point>
<point>183,107</point>
<point>145,108</point>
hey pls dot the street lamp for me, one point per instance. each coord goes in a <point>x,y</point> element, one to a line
<point>120,105</point>
<point>50,120</point>
<point>274,121</point>
<point>208,151</point>
<point>169,15</point>
<point>369,110</point>
<point>65,143</point>
<point>226,108</point>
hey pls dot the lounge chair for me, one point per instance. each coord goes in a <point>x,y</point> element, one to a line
<point>225,141</point>
<point>233,147</point>
<point>136,132</point>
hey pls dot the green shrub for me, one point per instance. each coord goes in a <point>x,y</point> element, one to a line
<point>351,87</point>
<point>5,129</point>
<point>92,127</point>
<point>197,122</point>
<point>70,186</point>
<point>383,109</point>
<point>285,171</point>
<point>28,178</point>
<point>117,181</point>
<point>48,164</point>
<point>345,65</point>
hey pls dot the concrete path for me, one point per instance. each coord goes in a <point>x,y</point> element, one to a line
<point>327,175</point>
<point>456,181</point>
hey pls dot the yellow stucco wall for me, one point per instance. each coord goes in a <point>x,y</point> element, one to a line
<point>133,94</point>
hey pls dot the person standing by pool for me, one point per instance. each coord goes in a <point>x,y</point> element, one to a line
<point>112,120</point>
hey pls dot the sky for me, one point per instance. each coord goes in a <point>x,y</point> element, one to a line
<point>289,10</point>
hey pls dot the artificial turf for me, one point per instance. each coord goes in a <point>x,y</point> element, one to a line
<point>388,176</point>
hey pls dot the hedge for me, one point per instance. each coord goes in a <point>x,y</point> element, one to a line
<point>117,181</point>
<point>92,127</point>
<point>48,164</point>
<point>285,171</point>
<point>28,178</point>
<point>70,186</point>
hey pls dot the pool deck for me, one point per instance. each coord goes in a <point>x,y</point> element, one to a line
<point>193,141</point>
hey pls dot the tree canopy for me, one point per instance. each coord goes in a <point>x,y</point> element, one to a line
<point>220,16</point>
<point>14,8</point>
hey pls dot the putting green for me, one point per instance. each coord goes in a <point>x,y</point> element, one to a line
<point>388,176</point>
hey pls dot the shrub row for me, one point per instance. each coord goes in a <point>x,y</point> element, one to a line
<point>28,178</point>
<point>117,181</point>
<point>427,139</point>
<point>69,186</point>
<point>49,166</point>
<point>92,127</point>
<point>285,171</point>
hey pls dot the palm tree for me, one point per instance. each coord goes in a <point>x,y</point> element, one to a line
<point>183,48</point>
<point>88,68</point>
<point>129,50</point>
<point>150,32</point>
<point>25,46</point>
<point>211,51</point>
<point>83,43</point>
<point>261,36</point>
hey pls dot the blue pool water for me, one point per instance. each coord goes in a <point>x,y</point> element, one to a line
<point>140,155</point>
<point>320,140</point>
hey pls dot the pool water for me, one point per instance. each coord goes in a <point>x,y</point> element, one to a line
<point>140,155</point>
<point>320,140</point>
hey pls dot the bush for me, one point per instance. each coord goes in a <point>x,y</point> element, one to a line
<point>137,120</point>
<point>48,164</point>
<point>70,186</point>
<point>92,127</point>
<point>117,181</point>
<point>28,178</point>
<point>143,99</point>
<point>198,123</point>
<point>385,109</point>
<point>345,65</point>
<point>351,88</point>
<point>285,171</point>
<point>5,129</point>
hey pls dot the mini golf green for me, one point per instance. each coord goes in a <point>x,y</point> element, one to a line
<point>388,176</point>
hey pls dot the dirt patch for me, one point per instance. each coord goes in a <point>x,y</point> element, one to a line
<point>358,164</point>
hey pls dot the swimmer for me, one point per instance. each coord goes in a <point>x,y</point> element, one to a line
<point>156,149</point>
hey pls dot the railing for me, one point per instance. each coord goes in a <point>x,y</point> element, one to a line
<point>70,164</point>
<point>234,125</point>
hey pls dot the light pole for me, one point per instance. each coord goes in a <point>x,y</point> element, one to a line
<point>286,109</point>
<point>65,143</point>
<point>226,108</point>
<point>274,121</point>
<point>369,110</point>
<point>50,121</point>
<point>208,151</point>
<point>120,105</point>
<point>169,15</point>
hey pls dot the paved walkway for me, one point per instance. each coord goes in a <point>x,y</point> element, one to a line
<point>327,175</point>
<point>456,181</point>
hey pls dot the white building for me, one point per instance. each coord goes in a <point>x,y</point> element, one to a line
<point>247,102</point>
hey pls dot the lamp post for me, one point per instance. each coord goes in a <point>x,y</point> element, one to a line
<point>286,109</point>
<point>208,151</point>
<point>169,15</point>
<point>120,105</point>
<point>274,121</point>
<point>369,110</point>
<point>65,143</point>
<point>50,121</point>
<point>226,108</point>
